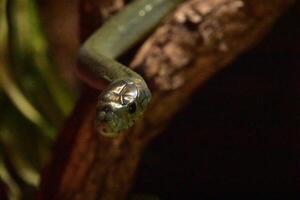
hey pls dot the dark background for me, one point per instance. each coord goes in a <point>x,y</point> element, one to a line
<point>240,132</point>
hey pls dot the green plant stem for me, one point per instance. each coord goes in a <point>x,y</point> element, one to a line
<point>9,86</point>
<point>31,64</point>
<point>57,86</point>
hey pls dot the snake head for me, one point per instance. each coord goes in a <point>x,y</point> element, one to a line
<point>120,105</point>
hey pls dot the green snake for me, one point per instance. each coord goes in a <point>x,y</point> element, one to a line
<point>126,97</point>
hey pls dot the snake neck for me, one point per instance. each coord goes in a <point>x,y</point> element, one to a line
<point>98,65</point>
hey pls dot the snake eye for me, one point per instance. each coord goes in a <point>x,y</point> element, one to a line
<point>132,108</point>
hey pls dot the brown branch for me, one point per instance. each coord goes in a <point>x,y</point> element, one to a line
<point>194,43</point>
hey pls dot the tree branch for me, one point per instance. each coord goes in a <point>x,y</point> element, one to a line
<point>196,41</point>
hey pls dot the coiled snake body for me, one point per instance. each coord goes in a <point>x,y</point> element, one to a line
<point>127,95</point>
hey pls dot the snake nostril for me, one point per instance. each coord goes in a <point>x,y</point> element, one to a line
<point>102,114</point>
<point>106,109</point>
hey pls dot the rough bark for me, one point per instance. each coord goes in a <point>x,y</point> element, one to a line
<point>196,41</point>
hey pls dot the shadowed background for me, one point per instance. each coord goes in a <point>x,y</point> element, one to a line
<point>240,132</point>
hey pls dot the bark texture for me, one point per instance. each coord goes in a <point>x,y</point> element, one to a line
<point>199,39</point>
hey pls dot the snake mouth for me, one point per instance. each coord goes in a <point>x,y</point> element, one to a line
<point>105,130</point>
<point>107,122</point>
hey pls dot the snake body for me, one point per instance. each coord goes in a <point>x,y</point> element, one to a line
<point>126,97</point>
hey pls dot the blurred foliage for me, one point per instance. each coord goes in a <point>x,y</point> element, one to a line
<point>34,98</point>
